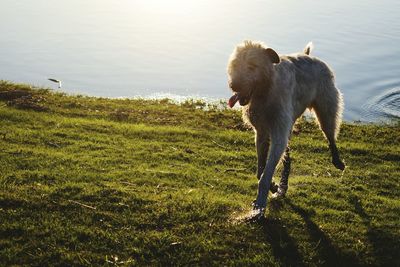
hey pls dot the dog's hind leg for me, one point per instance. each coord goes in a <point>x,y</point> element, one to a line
<point>336,161</point>
<point>284,183</point>
<point>329,111</point>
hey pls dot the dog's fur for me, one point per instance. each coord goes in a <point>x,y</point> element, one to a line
<point>274,91</point>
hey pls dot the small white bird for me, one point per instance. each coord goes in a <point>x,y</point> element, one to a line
<point>56,81</point>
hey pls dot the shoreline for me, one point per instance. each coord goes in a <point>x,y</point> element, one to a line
<point>201,102</point>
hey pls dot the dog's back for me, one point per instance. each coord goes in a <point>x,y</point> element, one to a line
<point>311,84</point>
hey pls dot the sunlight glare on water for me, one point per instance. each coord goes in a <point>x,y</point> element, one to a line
<point>180,48</point>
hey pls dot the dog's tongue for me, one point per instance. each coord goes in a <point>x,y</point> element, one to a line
<point>232,101</point>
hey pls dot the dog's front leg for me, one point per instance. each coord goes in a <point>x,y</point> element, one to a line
<point>278,146</point>
<point>262,146</point>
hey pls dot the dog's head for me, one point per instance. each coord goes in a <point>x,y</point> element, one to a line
<point>250,68</point>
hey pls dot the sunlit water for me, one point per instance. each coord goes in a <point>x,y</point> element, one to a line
<point>149,48</point>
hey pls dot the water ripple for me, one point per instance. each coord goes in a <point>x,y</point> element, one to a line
<point>385,105</point>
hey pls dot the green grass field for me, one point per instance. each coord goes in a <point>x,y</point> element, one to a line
<point>93,181</point>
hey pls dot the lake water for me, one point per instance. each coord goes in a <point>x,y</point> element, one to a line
<point>179,48</point>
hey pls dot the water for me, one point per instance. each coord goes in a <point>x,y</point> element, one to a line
<point>180,48</point>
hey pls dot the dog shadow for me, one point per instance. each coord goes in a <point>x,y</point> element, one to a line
<point>385,245</point>
<point>285,247</point>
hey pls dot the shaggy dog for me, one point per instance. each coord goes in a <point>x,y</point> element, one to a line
<point>274,91</point>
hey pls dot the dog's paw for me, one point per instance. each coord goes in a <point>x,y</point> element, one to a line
<point>255,216</point>
<point>281,192</point>
<point>278,195</point>
<point>273,188</point>
<point>339,164</point>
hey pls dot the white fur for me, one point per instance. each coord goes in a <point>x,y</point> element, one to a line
<point>274,95</point>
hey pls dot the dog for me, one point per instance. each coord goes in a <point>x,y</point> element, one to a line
<point>274,91</point>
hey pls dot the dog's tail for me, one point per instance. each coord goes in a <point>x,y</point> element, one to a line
<point>309,47</point>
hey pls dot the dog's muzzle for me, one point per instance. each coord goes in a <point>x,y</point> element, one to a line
<point>243,100</point>
<point>232,101</point>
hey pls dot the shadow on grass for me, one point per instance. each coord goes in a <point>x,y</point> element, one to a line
<point>327,252</point>
<point>285,248</point>
<point>385,245</point>
<point>283,245</point>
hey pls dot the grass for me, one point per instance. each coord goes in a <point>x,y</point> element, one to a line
<point>94,181</point>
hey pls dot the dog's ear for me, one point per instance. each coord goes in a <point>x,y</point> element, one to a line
<point>273,55</point>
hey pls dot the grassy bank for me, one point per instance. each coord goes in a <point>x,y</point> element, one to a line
<point>92,181</point>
